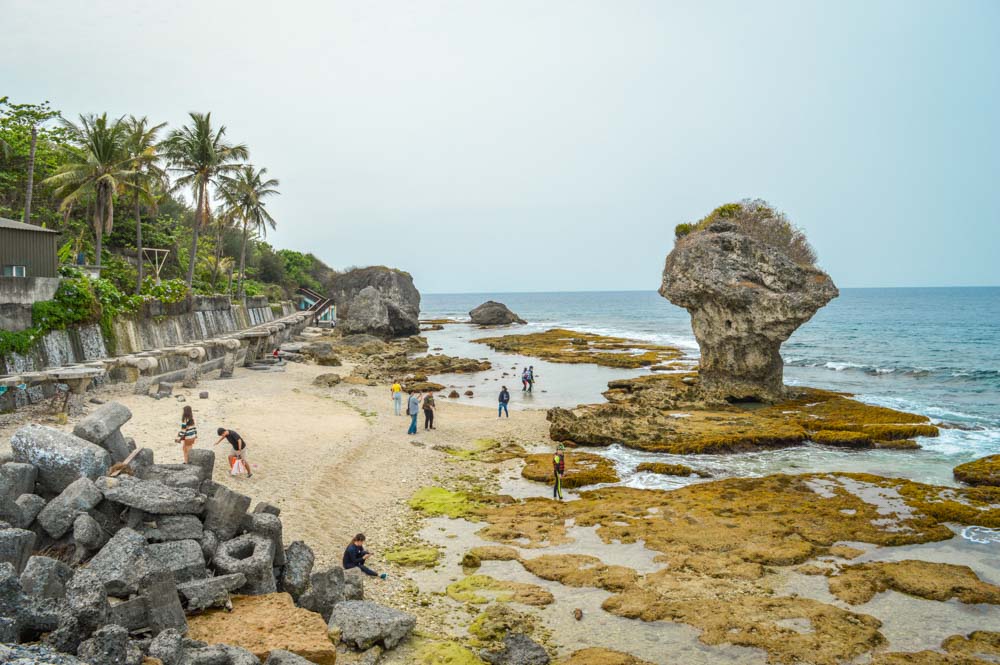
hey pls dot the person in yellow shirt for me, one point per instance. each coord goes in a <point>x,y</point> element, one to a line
<point>397,396</point>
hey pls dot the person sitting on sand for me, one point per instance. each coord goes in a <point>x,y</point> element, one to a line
<point>188,434</point>
<point>503,400</point>
<point>238,444</point>
<point>397,397</point>
<point>558,471</point>
<point>429,411</point>
<point>412,409</point>
<point>355,556</point>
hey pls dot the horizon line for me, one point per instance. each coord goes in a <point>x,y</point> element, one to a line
<point>845,288</point>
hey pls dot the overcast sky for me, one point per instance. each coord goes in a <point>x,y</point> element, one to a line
<point>504,145</point>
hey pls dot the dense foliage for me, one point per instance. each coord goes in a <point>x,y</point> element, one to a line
<point>759,220</point>
<point>95,178</point>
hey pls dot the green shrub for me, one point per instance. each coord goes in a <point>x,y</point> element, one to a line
<point>682,230</point>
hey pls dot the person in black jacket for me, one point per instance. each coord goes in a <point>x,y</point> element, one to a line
<point>355,555</point>
<point>503,400</point>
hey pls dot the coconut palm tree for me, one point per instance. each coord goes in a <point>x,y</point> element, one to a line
<point>200,155</point>
<point>246,193</point>
<point>149,177</point>
<point>98,164</point>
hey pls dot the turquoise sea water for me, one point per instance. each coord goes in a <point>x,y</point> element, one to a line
<point>934,351</point>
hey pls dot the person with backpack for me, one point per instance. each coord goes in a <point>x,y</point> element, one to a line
<point>355,556</point>
<point>504,399</point>
<point>558,471</point>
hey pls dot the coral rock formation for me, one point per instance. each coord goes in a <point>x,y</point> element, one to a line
<point>377,301</point>
<point>983,471</point>
<point>745,298</point>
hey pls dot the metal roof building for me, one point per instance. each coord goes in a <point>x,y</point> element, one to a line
<point>27,250</point>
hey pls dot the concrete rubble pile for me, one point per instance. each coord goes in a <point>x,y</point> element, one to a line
<point>101,562</point>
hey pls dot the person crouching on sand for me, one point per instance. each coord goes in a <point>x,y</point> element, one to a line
<point>355,556</point>
<point>239,447</point>
<point>188,434</point>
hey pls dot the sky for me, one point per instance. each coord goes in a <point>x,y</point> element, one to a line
<point>507,145</point>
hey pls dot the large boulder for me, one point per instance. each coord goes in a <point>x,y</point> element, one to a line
<point>58,516</point>
<point>59,457</point>
<point>377,301</point>
<point>123,562</point>
<point>15,547</point>
<point>102,428</point>
<point>493,313</point>
<point>362,624</point>
<point>151,496</point>
<point>746,295</point>
<point>517,649</point>
<point>325,590</point>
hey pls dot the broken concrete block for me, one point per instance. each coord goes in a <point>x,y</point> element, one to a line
<point>87,533</point>
<point>203,459</point>
<point>102,428</point>
<point>29,506</point>
<point>183,557</point>
<point>15,547</point>
<point>45,577</point>
<point>108,646</point>
<point>299,559</point>
<point>224,512</point>
<point>59,457</point>
<point>253,556</point>
<point>151,496</point>
<point>123,562</point>
<point>86,599</point>
<point>172,527</point>
<point>58,515</point>
<point>132,614</point>
<point>162,602</point>
<point>210,591</point>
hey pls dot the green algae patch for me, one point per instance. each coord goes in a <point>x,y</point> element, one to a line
<point>582,469</point>
<point>481,589</point>
<point>414,557</point>
<point>559,345</point>
<point>445,653</point>
<point>497,620</point>
<point>489,451</point>
<point>435,501</point>
<point>601,656</point>
<point>980,472</point>
<point>860,583</point>
<point>665,469</point>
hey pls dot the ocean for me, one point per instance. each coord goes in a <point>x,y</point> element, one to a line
<point>934,351</point>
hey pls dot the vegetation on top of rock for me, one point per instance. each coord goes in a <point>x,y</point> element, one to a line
<point>559,345</point>
<point>481,589</point>
<point>414,557</point>
<point>665,469</point>
<point>582,469</point>
<point>983,471</point>
<point>860,583</point>
<point>601,656</point>
<point>758,219</point>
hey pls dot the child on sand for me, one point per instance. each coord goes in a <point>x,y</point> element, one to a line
<point>238,444</point>
<point>355,556</point>
<point>188,434</point>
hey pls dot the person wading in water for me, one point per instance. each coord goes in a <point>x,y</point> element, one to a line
<point>558,470</point>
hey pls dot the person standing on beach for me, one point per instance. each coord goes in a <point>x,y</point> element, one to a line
<point>412,409</point>
<point>238,444</point>
<point>188,434</point>
<point>503,400</point>
<point>558,471</point>
<point>355,556</point>
<point>531,377</point>
<point>397,397</point>
<point>429,411</point>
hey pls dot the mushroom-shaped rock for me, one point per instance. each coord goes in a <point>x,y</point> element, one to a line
<point>493,313</point>
<point>377,301</point>
<point>746,294</point>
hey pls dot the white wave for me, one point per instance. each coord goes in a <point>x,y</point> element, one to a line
<point>981,535</point>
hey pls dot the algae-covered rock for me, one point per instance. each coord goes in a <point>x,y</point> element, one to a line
<point>746,295</point>
<point>559,345</point>
<point>414,557</point>
<point>481,589</point>
<point>983,471</point>
<point>581,469</point>
<point>438,501</point>
<point>445,653</point>
<point>665,469</point>
<point>935,581</point>
<point>601,656</point>
<point>581,570</point>
<point>498,620</point>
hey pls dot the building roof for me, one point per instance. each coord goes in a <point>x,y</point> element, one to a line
<point>21,226</point>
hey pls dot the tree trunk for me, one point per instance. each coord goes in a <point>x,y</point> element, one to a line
<point>243,257</point>
<point>31,175</point>
<point>218,255</point>
<point>98,227</point>
<point>138,239</point>
<point>194,235</point>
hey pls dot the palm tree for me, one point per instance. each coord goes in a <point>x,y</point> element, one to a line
<point>200,155</point>
<point>246,193</point>
<point>141,145</point>
<point>98,164</point>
